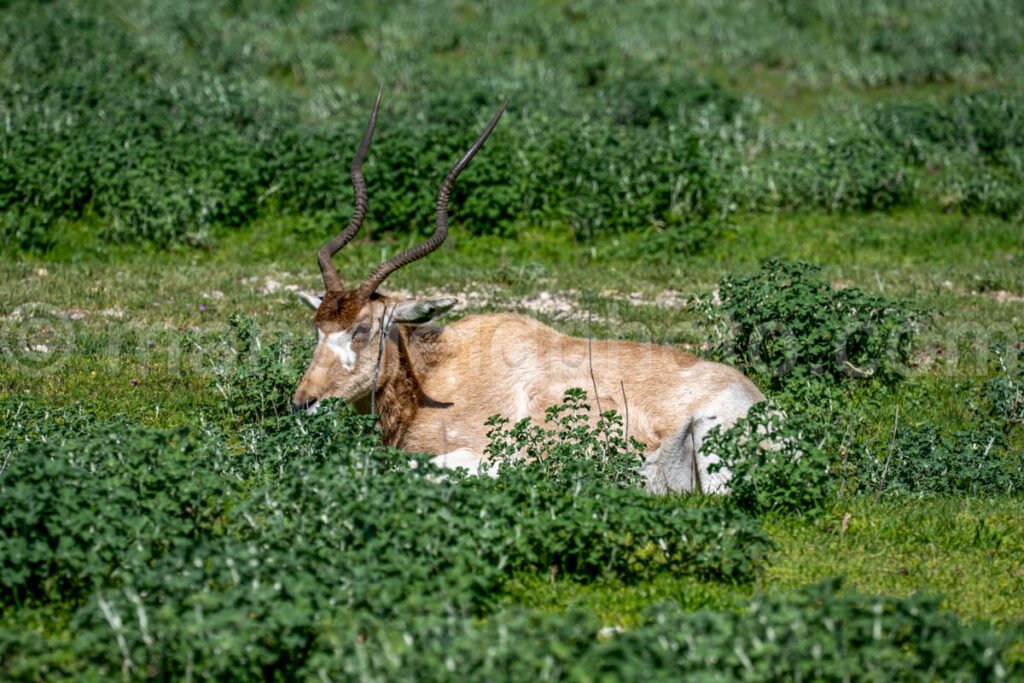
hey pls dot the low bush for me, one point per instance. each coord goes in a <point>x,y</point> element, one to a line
<point>257,381</point>
<point>194,550</point>
<point>613,179</point>
<point>1004,393</point>
<point>928,460</point>
<point>644,98</point>
<point>848,170</point>
<point>569,450</point>
<point>786,323</point>
<point>774,463</point>
<point>96,508</point>
<point>989,189</point>
<point>817,633</point>
<point>165,124</point>
<point>982,125</point>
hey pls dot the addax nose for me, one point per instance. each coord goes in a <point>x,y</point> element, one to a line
<point>307,404</point>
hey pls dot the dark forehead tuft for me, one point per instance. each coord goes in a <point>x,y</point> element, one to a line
<point>342,308</point>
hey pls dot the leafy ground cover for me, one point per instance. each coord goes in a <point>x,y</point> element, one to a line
<point>824,194</point>
<point>153,129</point>
<point>191,451</point>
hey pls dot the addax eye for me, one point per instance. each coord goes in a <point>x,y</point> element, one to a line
<point>361,332</point>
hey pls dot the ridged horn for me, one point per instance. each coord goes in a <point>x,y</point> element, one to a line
<point>332,281</point>
<point>381,272</point>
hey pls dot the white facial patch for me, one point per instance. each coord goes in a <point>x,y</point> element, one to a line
<point>340,344</point>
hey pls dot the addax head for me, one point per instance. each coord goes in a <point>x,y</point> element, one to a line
<point>349,322</point>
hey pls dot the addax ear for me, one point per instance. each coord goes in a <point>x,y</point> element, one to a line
<point>311,300</point>
<point>414,312</point>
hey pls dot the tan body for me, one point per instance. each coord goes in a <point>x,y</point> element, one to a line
<point>434,388</point>
<point>437,386</point>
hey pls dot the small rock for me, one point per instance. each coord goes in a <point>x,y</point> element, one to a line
<point>1004,297</point>
<point>271,286</point>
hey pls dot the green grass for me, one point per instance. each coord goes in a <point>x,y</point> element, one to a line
<point>133,363</point>
<point>142,329</point>
<point>966,550</point>
<point>134,305</point>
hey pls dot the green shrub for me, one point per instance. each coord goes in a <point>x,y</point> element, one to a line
<point>670,243</point>
<point>817,633</point>
<point>569,450</point>
<point>928,460</point>
<point>99,505</point>
<point>1005,391</point>
<point>238,550</point>
<point>29,229</point>
<point>848,169</point>
<point>786,323</point>
<point>257,383</point>
<point>613,181</point>
<point>413,156</point>
<point>990,189</point>
<point>642,98</point>
<point>774,463</point>
<point>982,125</point>
<point>921,130</point>
<point>993,121</point>
<point>166,123</point>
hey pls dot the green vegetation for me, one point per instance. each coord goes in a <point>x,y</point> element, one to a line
<point>249,543</point>
<point>774,463</point>
<point>153,124</point>
<point>570,449</point>
<point>827,195</point>
<point>787,323</point>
